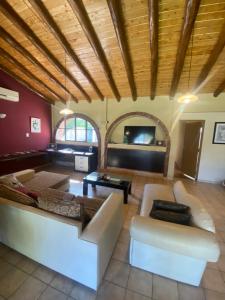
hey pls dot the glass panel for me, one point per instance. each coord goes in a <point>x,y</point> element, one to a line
<point>70,123</point>
<point>91,136</point>
<point>62,124</point>
<point>80,123</point>
<point>70,134</point>
<point>80,135</point>
<point>89,126</point>
<point>60,134</point>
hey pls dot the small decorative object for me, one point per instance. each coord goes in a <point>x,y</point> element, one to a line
<point>105,177</point>
<point>219,133</point>
<point>35,125</point>
<point>160,143</point>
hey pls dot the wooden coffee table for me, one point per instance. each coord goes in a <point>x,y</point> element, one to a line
<point>116,182</point>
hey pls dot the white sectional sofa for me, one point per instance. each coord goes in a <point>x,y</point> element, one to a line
<point>58,242</point>
<point>172,250</point>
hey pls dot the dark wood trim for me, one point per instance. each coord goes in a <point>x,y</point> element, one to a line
<point>139,114</point>
<point>26,84</point>
<point>190,14</point>
<point>13,43</point>
<point>92,122</point>
<point>218,48</point>
<point>220,89</point>
<point>17,64</point>
<point>84,20</point>
<point>118,22</point>
<point>17,21</point>
<point>42,11</point>
<point>153,29</point>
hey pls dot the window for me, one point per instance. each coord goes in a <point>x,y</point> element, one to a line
<point>76,130</point>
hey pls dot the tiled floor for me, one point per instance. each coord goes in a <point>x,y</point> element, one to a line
<point>24,279</point>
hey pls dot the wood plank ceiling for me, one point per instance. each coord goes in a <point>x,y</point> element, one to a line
<point>91,49</point>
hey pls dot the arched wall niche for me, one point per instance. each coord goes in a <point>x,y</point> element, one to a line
<point>92,122</point>
<point>153,118</point>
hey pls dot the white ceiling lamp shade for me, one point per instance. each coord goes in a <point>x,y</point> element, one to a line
<point>66,111</point>
<point>187,98</point>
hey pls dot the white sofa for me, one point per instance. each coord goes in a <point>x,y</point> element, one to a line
<point>59,242</point>
<point>172,250</point>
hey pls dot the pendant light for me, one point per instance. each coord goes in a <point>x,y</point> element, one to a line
<point>66,111</point>
<point>188,97</point>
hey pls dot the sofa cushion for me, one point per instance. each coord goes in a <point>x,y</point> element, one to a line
<point>200,217</point>
<point>170,206</point>
<point>152,192</point>
<point>10,193</point>
<point>24,175</point>
<point>43,180</point>
<point>66,207</point>
<point>11,181</point>
<point>171,216</point>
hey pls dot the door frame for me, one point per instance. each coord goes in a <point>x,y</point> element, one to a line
<point>200,146</point>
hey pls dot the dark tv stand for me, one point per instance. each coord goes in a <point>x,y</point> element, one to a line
<point>149,158</point>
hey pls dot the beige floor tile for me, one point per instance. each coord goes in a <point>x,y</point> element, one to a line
<point>212,280</point>
<point>221,263</point>
<point>5,267</point>
<point>121,252</point>
<point>13,257</point>
<point>44,274</point>
<point>118,272</point>
<point>223,275</point>
<point>130,295</point>
<point>187,292</point>
<point>81,292</point>
<point>11,282</point>
<point>27,265</point>
<point>63,284</point>
<point>109,291</point>
<point>124,236</point>
<point>3,249</point>
<point>164,288</point>
<point>31,289</point>
<point>140,282</point>
<point>212,295</point>
<point>52,294</point>
<point>222,248</point>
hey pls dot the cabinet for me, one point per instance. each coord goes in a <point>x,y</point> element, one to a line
<point>81,163</point>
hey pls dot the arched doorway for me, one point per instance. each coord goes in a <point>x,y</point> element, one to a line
<point>89,128</point>
<point>144,115</point>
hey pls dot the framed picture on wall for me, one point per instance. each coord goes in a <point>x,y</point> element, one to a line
<point>35,125</point>
<point>219,133</point>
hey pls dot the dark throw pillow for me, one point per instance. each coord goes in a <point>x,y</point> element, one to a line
<point>170,206</point>
<point>171,216</point>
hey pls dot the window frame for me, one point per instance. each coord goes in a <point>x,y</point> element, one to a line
<point>64,127</point>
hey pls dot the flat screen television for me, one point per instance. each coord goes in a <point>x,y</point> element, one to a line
<point>139,135</point>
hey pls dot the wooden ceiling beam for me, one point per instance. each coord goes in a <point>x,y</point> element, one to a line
<point>26,84</point>
<point>14,44</point>
<point>216,51</point>
<point>115,9</point>
<point>42,11</point>
<point>85,22</point>
<point>220,89</point>
<point>16,63</point>
<point>190,14</point>
<point>12,15</point>
<point>153,29</point>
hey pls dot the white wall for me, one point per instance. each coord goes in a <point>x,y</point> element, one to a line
<point>169,112</point>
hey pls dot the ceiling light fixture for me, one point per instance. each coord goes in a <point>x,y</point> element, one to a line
<point>188,97</point>
<point>2,116</point>
<point>66,111</point>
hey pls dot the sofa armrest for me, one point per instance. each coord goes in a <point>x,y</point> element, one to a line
<point>185,240</point>
<point>24,175</point>
<point>110,211</point>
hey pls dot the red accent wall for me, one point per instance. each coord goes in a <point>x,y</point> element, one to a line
<point>14,127</point>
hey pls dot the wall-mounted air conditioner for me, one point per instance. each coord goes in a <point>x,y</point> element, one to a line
<point>9,95</point>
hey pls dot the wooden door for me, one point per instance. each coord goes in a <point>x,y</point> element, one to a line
<point>192,148</point>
